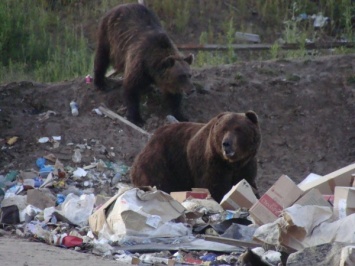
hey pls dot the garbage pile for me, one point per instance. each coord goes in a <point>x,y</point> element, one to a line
<point>93,208</point>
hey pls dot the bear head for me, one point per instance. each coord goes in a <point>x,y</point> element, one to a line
<point>175,77</point>
<point>235,136</point>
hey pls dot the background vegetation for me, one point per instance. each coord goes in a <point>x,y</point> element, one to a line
<point>54,40</point>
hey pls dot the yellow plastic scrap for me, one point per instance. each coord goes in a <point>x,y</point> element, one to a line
<point>12,140</point>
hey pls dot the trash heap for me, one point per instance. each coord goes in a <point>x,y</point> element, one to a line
<point>94,209</point>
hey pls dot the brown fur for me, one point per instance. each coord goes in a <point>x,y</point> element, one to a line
<point>131,37</point>
<point>215,155</point>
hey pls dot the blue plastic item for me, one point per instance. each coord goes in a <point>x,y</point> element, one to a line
<point>38,181</point>
<point>40,162</point>
<point>209,257</point>
<point>60,199</point>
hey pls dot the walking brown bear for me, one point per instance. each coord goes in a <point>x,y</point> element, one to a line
<point>215,155</point>
<point>131,38</point>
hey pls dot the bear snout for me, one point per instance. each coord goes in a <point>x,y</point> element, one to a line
<point>189,89</point>
<point>227,147</point>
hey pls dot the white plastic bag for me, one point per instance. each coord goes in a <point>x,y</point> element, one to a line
<point>78,209</point>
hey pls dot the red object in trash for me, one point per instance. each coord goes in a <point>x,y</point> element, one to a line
<point>72,241</point>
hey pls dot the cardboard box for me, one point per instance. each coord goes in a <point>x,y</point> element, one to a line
<point>344,201</point>
<point>196,193</point>
<point>240,196</point>
<point>281,195</point>
<point>313,197</point>
<point>327,183</point>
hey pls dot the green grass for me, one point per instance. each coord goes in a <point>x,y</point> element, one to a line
<point>35,45</point>
<point>49,42</point>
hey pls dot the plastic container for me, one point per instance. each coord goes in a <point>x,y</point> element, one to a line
<point>88,79</point>
<point>40,162</point>
<point>38,182</point>
<point>72,241</point>
<point>74,108</point>
<point>76,158</point>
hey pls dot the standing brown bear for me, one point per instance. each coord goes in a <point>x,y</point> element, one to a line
<point>216,155</point>
<point>131,37</point>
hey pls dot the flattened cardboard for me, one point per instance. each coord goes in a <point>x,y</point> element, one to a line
<point>41,198</point>
<point>310,178</point>
<point>344,201</point>
<point>196,193</point>
<point>327,183</point>
<point>313,197</point>
<point>134,211</point>
<point>100,200</point>
<point>281,195</point>
<point>240,196</point>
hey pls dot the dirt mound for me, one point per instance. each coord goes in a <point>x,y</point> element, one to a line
<point>306,110</point>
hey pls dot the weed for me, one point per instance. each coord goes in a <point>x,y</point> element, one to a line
<point>274,51</point>
<point>40,44</point>
<point>182,16</point>
<point>293,77</point>
<point>267,71</point>
<point>347,16</point>
<point>351,79</point>
<point>231,55</point>
<point>240,77</point>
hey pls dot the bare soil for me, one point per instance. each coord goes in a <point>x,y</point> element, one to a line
<point>306,110</point>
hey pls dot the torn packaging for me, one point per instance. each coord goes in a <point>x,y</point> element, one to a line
<point>138,212</point>
<point>344,201</point>
<point>196,193</point>
<point>307,226</point>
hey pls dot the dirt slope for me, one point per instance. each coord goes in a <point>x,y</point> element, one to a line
<point>306,108</point>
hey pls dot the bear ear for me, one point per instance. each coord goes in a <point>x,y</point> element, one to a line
<point>167,62</point>
<point>189,59</point>
<point>252,116</point>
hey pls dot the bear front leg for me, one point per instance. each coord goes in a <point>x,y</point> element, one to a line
<point>132,101</point>
<point>174,102</point>
<point>101,63</point>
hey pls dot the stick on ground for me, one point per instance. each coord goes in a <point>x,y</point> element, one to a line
<point>114,115</point>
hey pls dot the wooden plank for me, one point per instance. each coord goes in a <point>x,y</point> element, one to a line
<point>114,115</point>
<point>233,242</point>
<point>289,46</point>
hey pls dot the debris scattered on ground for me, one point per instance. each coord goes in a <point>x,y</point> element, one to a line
<point>71,207</point>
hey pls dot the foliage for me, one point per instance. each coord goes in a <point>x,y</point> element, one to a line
<point>36,45</point>
<point>46,40</point>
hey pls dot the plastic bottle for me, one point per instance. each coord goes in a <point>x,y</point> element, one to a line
<point>74,108</point>
<point>60,199</point>
<point>76,158</point>
<point>117,178</point>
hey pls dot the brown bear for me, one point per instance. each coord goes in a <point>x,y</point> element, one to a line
<point>215,155</point>
<point>132,39</point>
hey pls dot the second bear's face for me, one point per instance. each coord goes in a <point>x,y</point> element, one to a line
<point>236,136</point>
<point>176,75</point>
